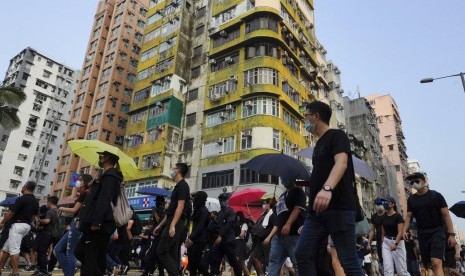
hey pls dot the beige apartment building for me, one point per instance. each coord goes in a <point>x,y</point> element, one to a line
<point>392,142</point>
<point>105,88</point>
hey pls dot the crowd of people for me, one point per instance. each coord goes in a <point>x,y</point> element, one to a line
<point>293,235</point>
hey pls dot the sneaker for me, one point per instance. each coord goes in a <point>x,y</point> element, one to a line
<point>124,270</point>
<point>28,268</point>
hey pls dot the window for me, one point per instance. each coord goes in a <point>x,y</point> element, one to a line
<point>99,103</point>
<point>192,95</point>
<point>289,148</point>
<point>160,86</point>
<point>164,65</point>
<point>136,140</point>
<point>291,121</point>
<point>152,35</point>
<point>18,170</point>
<point>22,157</point>
<point>141,95</point>
<point>115,31</point>
<point>106,72</point>
<point>188,144</point>
<point>148,54</point>
<point>138,117</point>
<point>291,92</point>
<point>276,139</point>
<point>391,147</point>
<point>42,84</point>
<point>154,135</point>
<point>223,88</point>
<point>168,44</point>
<point>65,160</point>
<point>260,105</point>
<point>190,119</point>
<point>221,116</point>
<point>225,37</point>
<point>218,179</point>
<point>249,177</point>
<point>199,30</point>
<point>197,51</point>
<point>46,74</point>
<point>222,63</point>
<point>261,75</point>
<point>151,161</point>
<point>158,110</point>
<point>145,73</point>
<point>388,137</point>
<point>61,177</point>
<point>262,22</point>
<point>26,144</point>
<point>155,17</point>
<point>397,168</point>
<point>224,16</point>
<point>103,87</point>
<point>50,63</point>
<point>262,49</point>
<point>130,190</point>
<point>246,140</point>
<point>96,119</point>
<point>195,72</point>
<point>201,12</point>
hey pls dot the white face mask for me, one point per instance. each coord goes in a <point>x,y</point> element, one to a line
<point>379,208</point>
<point>417,186</point>
<point>78,184</point>
<point>264,207</point>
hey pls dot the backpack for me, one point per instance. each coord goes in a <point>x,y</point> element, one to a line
<point>59,227</point>
<point>122,212</point>
<point>136,228</point>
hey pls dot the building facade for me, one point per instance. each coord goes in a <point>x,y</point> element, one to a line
<point>31,151</point>
<point>392,141</point>
<point>106,84</point>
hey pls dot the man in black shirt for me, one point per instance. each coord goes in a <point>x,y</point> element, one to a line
<point>45,238</point>
<point>429,208</point>
<point>290,211</point>
<point>175,220</point>
<point>24,210</point>
<point>332,201</point>
<point>376,224</point>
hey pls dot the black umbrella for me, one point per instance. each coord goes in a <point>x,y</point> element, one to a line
<point>458,209</point>
<point>278,164</point>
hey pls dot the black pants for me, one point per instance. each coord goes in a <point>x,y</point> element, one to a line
<point>44,240</point>
<point>91,252</point>
<point>195,253</point>
<point>53,260</point>
<point>167,250</point>
<point>151,260</point>
<point>217,253</point>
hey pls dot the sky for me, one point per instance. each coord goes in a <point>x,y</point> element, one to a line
<point>382,47</point>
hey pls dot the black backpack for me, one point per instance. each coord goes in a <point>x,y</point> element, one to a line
<point>59,226</point>
<point>136,228</point>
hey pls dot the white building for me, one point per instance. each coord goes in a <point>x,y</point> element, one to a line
<point>24,154</point>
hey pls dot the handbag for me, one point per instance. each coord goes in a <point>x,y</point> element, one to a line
<point>362,227</point>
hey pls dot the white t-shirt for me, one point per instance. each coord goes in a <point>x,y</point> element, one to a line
<point>245,228</point>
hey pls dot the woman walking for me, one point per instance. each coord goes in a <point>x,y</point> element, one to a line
<point>394,253</point>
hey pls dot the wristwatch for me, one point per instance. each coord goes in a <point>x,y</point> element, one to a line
<point>327,188</point>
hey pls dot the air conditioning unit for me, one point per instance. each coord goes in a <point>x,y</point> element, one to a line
<point>212,61</point>
<point>228,59</point>
<point>158,82</point>
<point>223,33</point>
<point>155,164</point>
<point>127,138</point>
<point>249,104</point>
<point>222,115</point>
<point>290,36</point>
<point>168,78</point>
<point>295,91</point>
<point>285,54</point>
<point>158,104</point>
<point>219,141</point>
<point>229,107</point>
<point>247,133</point>
<point>295,146</point>
<point>284,80</point>
<point>215,97</point>
<point>234,78</point>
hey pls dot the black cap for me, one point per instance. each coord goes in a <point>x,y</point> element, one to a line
<point>223,196</point>
<point>390,199</point>
<point>415,176</point>
<point>113,157</point>
<point>201,194</point>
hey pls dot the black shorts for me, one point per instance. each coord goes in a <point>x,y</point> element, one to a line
<point>432,244</point>
<point>259,251</point>
<point>241,249</point>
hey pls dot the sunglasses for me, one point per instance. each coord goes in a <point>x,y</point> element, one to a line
<point>418,181</point>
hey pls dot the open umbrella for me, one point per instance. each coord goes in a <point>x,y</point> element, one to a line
<point>153,191</point>
<point>278,164</point>
<point>249,211</point>
<point>213,204</point>
<point>8,201</point>
<point>458,209</point>
<point>88,150</point>
<point>360,167</point>
<point>246,196</point>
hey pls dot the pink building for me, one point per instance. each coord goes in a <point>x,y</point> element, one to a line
<point>392,143</point>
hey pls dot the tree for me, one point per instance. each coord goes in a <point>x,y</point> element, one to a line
<point>10,98</point>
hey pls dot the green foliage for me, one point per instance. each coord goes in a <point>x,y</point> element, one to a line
<point>10,99</point>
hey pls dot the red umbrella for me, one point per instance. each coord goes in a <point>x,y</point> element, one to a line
<point>246,196</point>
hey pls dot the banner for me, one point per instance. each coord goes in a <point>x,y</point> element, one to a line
<point>74,178</point>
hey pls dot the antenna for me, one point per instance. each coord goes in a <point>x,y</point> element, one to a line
<point>358,90</point>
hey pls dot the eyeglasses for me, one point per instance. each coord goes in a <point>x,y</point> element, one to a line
<point>308,114</point>
<point>418,181</point>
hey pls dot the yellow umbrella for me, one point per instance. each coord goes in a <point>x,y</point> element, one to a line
<point>88,150</point>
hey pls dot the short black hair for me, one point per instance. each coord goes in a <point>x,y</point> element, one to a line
<point>323,110</point>
<point>183,168</point>
<point>30,186</point>
<point>53,200</point>
<point>87,178</point>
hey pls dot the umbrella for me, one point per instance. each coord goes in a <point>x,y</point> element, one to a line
<point>8,201</point>
<point>88,150</point>
<point>458,209</point>
<point>213,204</point>
<point>153,191</point>
<point>360,167</point>
<point>249,211</point>
<point>278,164</point>
<point>246,196</point>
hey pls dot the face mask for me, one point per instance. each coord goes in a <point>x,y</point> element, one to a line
<point>78,184</point>
<point>379,208</point>
<point>417,186</point>
<point>264,207</point>
<point>100,164</point>
<point>286,183</point>
<point>309,127</point>
<point>386,205</point>
<point>223,204</point>
<point>172,174</point>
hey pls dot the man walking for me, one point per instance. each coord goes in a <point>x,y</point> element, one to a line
<point>430,210</point>
<point>45,238</point>
<point>224,243</point>
<point>376,229</point>
<point>21,214</point>
<point>175,220</point>
<point>95,218</point>
<point>290,209</point>
<point>332,206</point>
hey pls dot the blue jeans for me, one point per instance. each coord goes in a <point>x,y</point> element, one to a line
<point>281,248</point>
<point>340,225</point>
<point>64,250</point>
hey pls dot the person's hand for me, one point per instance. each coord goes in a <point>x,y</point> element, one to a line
<point>368,247</point>
<point>189,243</point>
<point>60,209</point>
<point>322,200</point>
<point>94,228</point>
<point>156,230</point>
<point>393,247</point>
<point>299,231</point>
<point>451,241</point>
<point>266,241</point>
<point>286,229</point>
<point>218,241</point>
<point>405,235</point>
<point>172,231</point>
<point>2,225</point>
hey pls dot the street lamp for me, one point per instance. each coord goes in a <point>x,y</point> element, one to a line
<point>461,74</point>
<point>42,160</point>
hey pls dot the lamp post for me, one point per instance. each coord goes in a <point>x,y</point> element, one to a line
<point>461,75</point>
<point>42,160</point>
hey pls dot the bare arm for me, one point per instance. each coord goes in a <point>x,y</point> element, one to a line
<point>338,170</point>
<point>446,216</point>
<point>73,210</point>
<point>128,229</point>
<point>294,215</point>
<point>408,218</point>
<point>9,215</point>
<point>372,233</point>
<point>400,227</point>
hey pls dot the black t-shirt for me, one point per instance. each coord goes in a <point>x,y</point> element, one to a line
<point>390,224</point>
<point>426,209</point>
<point>52,215</point>
<point>334,141</point>
<point>180,192</point>
<point>26,206</point>
<point>82,197</point>
<point>377,221</point>
<point>286,203</point>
